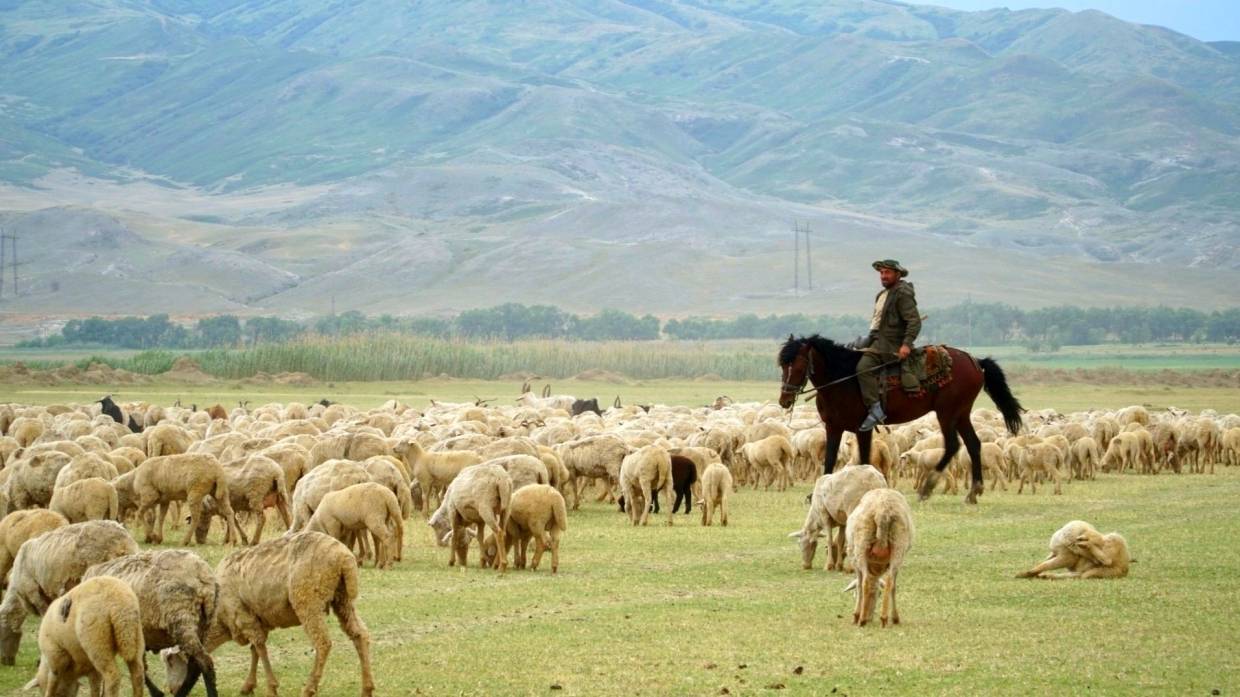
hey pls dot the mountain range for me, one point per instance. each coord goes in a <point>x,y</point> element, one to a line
<point>299,156</point>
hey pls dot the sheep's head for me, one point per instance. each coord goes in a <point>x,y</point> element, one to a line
<point>809,546</point>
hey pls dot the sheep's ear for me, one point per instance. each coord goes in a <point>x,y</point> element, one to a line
<point>796,534</point>
<point>852,585</point>
<point>32,685</point>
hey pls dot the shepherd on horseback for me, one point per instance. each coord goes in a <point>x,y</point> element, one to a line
<point>848,385</point>
<point>894,327</point>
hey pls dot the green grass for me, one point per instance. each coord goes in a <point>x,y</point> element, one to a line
<point>691,610</point>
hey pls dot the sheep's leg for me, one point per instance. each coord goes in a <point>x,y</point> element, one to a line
<point>859,605</point>
<point>540,545</point>
<point>251,678</point>
<point>708,512</point>
<point>667,494</point>
<point>1059,560</point>
<point>137,674</point>
<point>378,530</point>
<point>895,613</point>
<point>555,550</point>
<point>1101,572</point>
<point>357,632</point>
<point>647,497</point>
<point>258,527</point>
<point>196,513</point>
<point>723,512</point>
<point>104,662</point>
<point>316,629</point>
<point>500,541</point>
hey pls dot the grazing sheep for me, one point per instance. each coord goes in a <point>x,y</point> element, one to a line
<point>48,565</point>
<point>879,534</point>
<point>684,476</point>
<point>19,526</point>
<point>716,488</point>
<point>922,463</point>
<point>433,471</point>
<point>330,476</point>
<point>1123,452</point>
<point>177,594</point>
<point>190,477</point>
<point>167,439</point>
<point>25,430</point>
<point>86,499</point>
<point>592,457</point>
<point>1088,553</point>
<point>771,460</point>
<point>642,472</point>
<point>83,633</point>
<point>361,508</point>
<point>524,469</point>
<point>86,466</point>
<point>32,479</point>
<point>480,495</point>
<point>1086,457</point>
<point>835,497</point>
<point>537,511</point>
<point>254,485</point>
<point>1039,458</point>
<point>293,458</point>
<point>285,582</point>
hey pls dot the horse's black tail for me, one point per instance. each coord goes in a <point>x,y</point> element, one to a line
<point>996,386</point>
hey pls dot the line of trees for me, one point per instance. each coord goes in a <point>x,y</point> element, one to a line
<point>967,324</point>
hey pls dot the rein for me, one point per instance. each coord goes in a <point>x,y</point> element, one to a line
<point>801,389</point>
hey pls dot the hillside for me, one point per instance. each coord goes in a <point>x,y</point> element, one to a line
<point>298,155</point>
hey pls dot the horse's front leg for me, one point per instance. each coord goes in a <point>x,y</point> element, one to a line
<point>833,449</point>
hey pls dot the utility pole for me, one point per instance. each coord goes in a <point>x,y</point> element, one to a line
<point>809,261</point>
<point>3,238</point>
<point>796,258</point>
<point>8,239</point>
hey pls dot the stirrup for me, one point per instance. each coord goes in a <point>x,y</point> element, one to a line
<point>874,418</point>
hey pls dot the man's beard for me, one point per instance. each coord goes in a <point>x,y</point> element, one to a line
<point>887,284</point>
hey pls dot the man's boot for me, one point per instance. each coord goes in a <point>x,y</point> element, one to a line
<point>874,418</point>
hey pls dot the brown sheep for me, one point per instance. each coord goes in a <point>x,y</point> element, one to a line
<point>362,508</point>
<point>161,480</point>
<point>537,511</point>
<point>48,565</point>
<point>86,499</point>
<point>83,633</point>
<point>285,582</point>
<point>19,526</point>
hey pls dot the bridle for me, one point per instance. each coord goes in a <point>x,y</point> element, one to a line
<point>798,390</point>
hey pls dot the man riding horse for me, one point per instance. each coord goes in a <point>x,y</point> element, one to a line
<point>893,329</point>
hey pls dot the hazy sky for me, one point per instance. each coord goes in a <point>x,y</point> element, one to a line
<point>1208,20</point>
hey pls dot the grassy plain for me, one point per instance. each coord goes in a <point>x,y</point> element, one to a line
<point>693,610</point>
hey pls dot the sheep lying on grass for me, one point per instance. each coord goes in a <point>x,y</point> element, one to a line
<point>48,565</point>
<point>83,633</point>
<point>716,488</point>
<point>285,582</point>
<point>481,495</point>
<point>878,535</point>
<point>1079,546</point>
<point>177,595</point>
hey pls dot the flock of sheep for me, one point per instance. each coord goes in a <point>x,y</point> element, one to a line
<point>344,482</point>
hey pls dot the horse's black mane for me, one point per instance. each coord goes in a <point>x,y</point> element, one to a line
<point>840,361</point>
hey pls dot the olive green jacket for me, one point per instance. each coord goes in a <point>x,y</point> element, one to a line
<point>901,323</point>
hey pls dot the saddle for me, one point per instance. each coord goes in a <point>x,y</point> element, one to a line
<point>928,368</point>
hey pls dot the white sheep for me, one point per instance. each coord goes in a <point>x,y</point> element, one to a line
<point>434,471</point>
<point>878,535</point>
<point>480,495</point>
<point>537,511</point>
<point>1088,553</point>
<point>643,473</point>
<point>716,489</point>
<point>86,499</point>
<point>361,508</point>
<point>834,498</point>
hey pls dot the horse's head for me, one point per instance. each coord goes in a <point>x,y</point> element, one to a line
<point>796,366</point>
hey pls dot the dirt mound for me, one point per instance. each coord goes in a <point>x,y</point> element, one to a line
<point>521,375</point>
<point>186,369</point>
<point>1123,377</point>
<point>708,377</point>
<point>295,379</point>
<point>94,374</point>
<point>596,375</point>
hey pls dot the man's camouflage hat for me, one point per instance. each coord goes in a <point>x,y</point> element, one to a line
<point>891,264</point>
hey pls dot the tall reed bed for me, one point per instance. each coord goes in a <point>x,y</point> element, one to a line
<point>398,357</point>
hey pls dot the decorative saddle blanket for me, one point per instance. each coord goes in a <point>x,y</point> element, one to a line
<point>926,368</point>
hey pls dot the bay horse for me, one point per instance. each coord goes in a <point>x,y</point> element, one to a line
<point>832,369</point>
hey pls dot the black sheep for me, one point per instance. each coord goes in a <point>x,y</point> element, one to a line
<point>111,409</point>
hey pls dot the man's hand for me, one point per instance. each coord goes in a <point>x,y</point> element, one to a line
<point>904,351</point>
